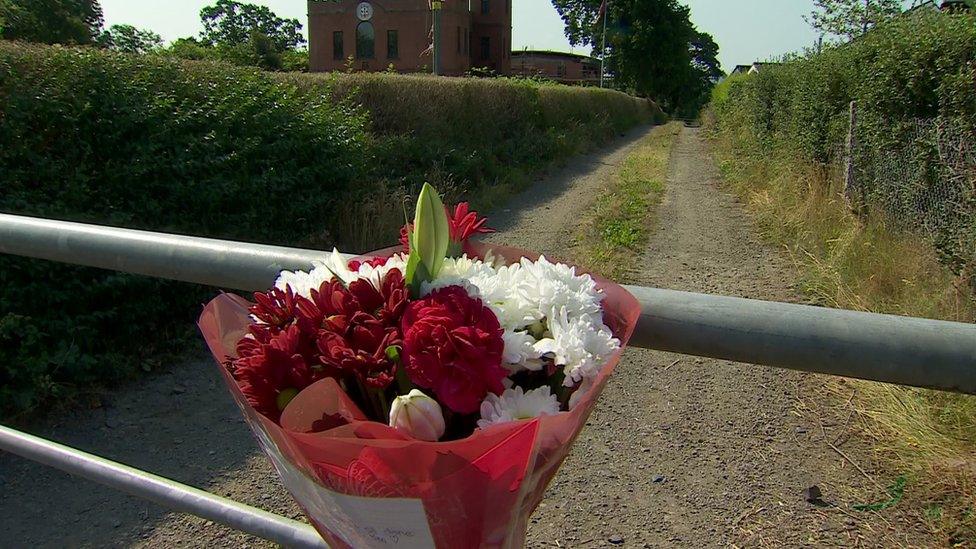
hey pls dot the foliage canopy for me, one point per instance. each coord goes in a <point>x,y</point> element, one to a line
<point>652,48</point>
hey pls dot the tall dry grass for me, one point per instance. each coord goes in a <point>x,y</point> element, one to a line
<point>929,436</point>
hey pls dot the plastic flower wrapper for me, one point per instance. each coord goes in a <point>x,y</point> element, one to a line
<point>363,483</point>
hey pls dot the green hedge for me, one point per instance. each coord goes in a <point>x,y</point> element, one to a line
<point>208,149</point>
<point>152,144</point>
<point>917,66</point>
<point>481,130</point>
<point>920,66</point>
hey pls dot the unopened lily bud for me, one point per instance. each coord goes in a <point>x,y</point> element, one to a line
<point>417,415</point>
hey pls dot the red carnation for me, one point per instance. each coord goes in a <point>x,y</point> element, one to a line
<point>453,346</point>
<point>270,374</point>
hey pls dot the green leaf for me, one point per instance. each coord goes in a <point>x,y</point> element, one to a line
<point>431,233</point>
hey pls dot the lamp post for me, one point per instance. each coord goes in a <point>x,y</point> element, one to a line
<point>436,7</point>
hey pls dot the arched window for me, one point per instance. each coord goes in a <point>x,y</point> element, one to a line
<point>365,41</point>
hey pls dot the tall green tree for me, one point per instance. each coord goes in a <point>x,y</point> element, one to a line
<point>849,19</point>
<point>652,48</point>
<point>129,39</point>
<point>51,21</point>
<point>234,23</point>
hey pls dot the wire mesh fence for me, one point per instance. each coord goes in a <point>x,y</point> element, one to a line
<point>925,184</point>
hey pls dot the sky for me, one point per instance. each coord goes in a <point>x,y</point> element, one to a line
<point>746,30</point>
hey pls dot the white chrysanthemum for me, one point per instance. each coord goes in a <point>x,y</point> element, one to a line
<point>302,283</point>
<point>520,353</point>
<point>460,271</point>
<point>375,275</point>
<point>507,291</point>
<point>580,346</point>
<point>514,404</point>
<point>554,286</point>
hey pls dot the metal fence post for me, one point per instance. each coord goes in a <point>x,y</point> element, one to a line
<point>850,182</point>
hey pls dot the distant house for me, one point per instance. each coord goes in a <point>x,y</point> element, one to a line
<point>741,69</point>
<point>754,68</point>
<point>566,68</point>
<point>944,5</point>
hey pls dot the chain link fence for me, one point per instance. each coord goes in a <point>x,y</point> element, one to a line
<point>927,184</point>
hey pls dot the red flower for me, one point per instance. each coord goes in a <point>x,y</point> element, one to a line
<point>272,372</point>
<point>276,308</point>
<point>355,264</point>
<point>463,223</point>
<point>405,237</point>
<point>453,346</point>
<point>353,327</point>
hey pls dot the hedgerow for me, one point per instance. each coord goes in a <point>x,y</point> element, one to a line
<point>916,66</point>
<point>209,149</point>
<point>777,135</point>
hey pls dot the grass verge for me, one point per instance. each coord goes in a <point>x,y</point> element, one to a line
<point>615,228</point>
<point>927,437</point>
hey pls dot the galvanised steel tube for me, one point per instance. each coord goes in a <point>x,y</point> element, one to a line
<point>908,351</point>
<point>176,496</point>
<point>222,263</point>
<point>894,349</point>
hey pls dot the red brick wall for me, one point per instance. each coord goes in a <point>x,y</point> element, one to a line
<point>496,26</point>
<point>567,69</point>
<point>412,21</point>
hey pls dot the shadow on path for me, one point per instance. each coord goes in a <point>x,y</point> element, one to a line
<point>183,425</point>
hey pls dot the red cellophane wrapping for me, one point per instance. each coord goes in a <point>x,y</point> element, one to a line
<point>364,484</point>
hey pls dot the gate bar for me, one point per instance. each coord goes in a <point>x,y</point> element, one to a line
<point>904,350</point>
<point>176,496</point>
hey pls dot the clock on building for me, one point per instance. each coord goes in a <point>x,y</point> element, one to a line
<point>364,11</point>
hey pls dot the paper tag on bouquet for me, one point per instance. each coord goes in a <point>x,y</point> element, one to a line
<point>357,520</point>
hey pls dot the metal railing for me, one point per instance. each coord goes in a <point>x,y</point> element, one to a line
<point>903,350</point>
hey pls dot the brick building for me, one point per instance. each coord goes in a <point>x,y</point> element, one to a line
<point>378,33</point>
<point>566,68</point>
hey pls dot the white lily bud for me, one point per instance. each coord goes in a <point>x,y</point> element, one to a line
<point>417,415</point>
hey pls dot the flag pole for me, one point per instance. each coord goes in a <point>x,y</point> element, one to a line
<point>603,51</point>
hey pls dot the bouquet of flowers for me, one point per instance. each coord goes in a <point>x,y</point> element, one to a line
<point>425,395</point>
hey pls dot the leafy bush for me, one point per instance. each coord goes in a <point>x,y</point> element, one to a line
<point>919,66</point>
<point>916,66</point>
<point>148,143</point>
<point>204,148</point>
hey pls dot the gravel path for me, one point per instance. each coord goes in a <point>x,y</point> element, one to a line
<point>694,452</point>
<point>680,452</point>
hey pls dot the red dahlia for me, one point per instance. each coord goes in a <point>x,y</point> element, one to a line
<point>453,346</point>
<point>354,326</point>
<point>271,372</point>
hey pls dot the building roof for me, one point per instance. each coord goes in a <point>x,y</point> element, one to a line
<point>551,53</point>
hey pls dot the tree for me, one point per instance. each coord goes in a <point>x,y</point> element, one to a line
<point>706,69</point>
<point>129,39</point>
<point>51,21</point>
<point>851,18</point>
<point>233,23</point>
<point>652,48</point>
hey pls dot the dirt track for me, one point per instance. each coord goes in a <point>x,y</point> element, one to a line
<point>681,451</point>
